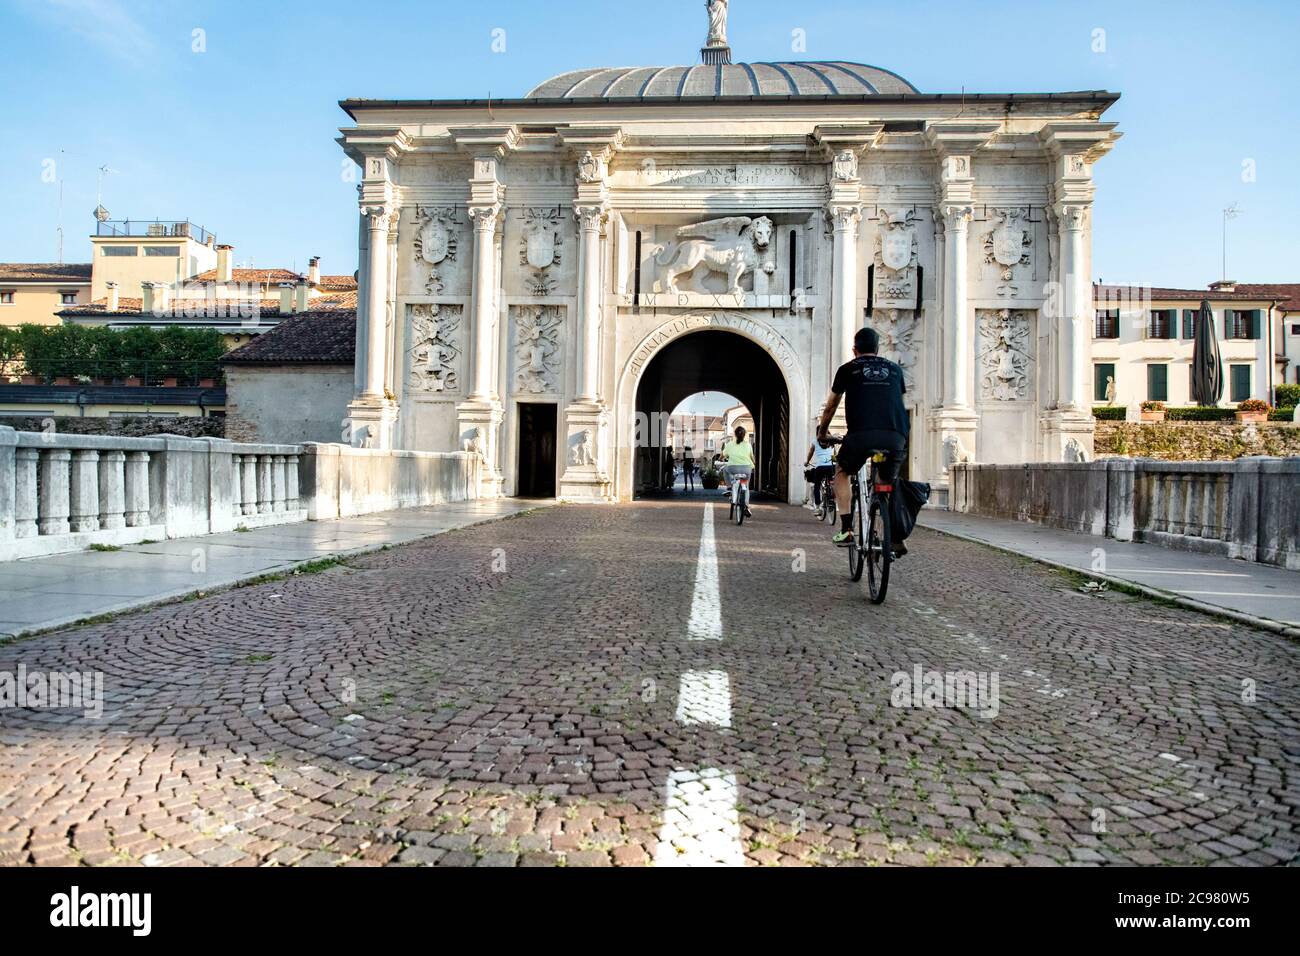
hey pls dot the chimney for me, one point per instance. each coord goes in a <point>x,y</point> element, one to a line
<point>300,297</point>
<point>210,240</point>
<point>313,271</point>
<point>112,296</point>
<point>1224,285</point>
<point>224,271</point>
<point>286,298</point>
<point>147,297</point>
<point>155,296</point>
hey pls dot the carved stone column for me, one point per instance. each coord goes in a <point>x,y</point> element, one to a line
<point>844,282</point>
<point>1075,294</point>
<point>591,220</point>
<point>485,219</point>
<point>375,361</point>
<point>957,319</point>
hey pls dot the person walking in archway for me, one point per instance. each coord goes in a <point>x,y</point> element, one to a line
<point>688,468</point>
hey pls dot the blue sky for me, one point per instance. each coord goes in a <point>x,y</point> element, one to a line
<point>239,138</point>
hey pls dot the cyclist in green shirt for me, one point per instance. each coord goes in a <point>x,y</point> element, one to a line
<point>739,456</point>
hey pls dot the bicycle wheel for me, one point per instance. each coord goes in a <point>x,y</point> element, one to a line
<point>879,550</point>
<point>742,501</point>
<point>855,543</point>
<point>828,503</point>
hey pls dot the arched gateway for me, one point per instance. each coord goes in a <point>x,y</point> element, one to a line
<point>531,267</point>
<point>714,351</point>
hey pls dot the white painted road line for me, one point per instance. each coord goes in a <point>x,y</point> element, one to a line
<point>704,697</point>
<point>706,605</point>
<point>701,823</point>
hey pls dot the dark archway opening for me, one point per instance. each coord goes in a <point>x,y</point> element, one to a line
<point>715,361</point>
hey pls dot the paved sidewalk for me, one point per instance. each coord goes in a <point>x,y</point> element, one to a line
<point>1256,593</point>
<point>41,593</point>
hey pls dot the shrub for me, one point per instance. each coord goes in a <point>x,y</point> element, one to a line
<point>1253,405</point>
<point>1109,413</point>
<point>1153,406</point>
<point>85,350</point>
<point>1287,396</point>
<point>1197,413</point>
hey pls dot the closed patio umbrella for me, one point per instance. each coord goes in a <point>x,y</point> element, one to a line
<point>1207,367</point>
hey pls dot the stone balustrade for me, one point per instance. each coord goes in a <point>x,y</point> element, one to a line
<point>63,493</point>
<point>1248,508</point>
<point>67,492</point>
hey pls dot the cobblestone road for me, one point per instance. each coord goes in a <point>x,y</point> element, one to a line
<point>596,686</point>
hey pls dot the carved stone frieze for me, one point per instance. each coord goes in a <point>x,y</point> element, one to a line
<point>435,347</point>
<point>436,242</point>
<point>1008,246</point>
<point>538,346</point>
<point>1005,355</point>
<point>541,245</point>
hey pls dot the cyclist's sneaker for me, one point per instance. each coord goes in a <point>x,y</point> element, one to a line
<point>842,539</point>
<point>900,549</point>
<point>748,513</point>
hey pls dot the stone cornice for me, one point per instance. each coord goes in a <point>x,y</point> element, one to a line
<point>957,139</point>
<point>488,142</point>
<point>1089,140</point>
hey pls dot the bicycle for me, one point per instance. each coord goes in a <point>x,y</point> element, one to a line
<point>828,508</point>
<point>738,511</point>
<point>871,546</point>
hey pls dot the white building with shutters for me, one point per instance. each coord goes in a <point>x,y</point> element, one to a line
<point>1142,337</point>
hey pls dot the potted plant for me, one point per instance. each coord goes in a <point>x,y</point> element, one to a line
<point>133,381</point>
<point>1252,410</point>
<point>207,382</point>
<point>169,381</point>
<point>710,478</point>
<point>30,379</point>
<point>63,380</point>
<point>1153,411</point>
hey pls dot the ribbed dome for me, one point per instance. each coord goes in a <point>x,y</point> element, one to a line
<point>817,79</point>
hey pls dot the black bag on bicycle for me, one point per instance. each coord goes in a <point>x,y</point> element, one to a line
<point>905,504</point>
<point>808,474</point>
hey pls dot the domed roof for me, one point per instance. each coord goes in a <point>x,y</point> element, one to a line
<point>813,79</point>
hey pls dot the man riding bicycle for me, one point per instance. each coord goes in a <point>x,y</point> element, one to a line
<point>873,390</point>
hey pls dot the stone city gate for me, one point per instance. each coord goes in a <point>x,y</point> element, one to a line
<point>524,260</point>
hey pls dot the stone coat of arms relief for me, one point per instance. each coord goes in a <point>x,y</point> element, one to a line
<point>898,339</point>
<point>896,256</point>
<point>1007,247</point>
<point>541,245</point>
<point>1005,361</point>
<point>435,242</point>
<point>435,347</point>
<point>537,348</point>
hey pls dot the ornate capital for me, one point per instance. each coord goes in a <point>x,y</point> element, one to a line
<point>485,218</point>
<point>957,216</point>
<point>1072,216</point>
<point>844,217</point>
<point>382,216</point>
<point>591,218</point>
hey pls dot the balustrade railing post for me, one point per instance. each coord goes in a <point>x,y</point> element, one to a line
<point>248,485</point>
<point>291,483</point>
<point>55,468</point>
<point>277,483</point>
<point>263,484</point>
<point>83,491</point>
<point>136,481</point>
<point>112,489</point>
<point>236,480</point>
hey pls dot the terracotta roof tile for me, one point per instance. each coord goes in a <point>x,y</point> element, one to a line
<point>338,283</point>
<point>324,337</point>
<point>251,275</point>
<point>45,271</point>
<point>1135,293</point>
<point>1288,293</point>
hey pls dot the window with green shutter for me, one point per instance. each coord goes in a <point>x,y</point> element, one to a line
<point>1256,320</point>
<point>1189,323</point>
<point>1101,371</point>
<point>1240,378</point>
<point>1158,383</point>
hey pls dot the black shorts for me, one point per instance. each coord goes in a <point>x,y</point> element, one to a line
<point>817,473</point>
<point>857,447</point>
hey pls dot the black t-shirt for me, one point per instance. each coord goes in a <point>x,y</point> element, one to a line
<point>873,392</point>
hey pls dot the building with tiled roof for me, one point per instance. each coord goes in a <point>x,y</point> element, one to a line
<point>35,291</point>
<point>1142,341</point>
<point>293,383</point>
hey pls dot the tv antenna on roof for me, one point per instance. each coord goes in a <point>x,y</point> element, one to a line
<point>1232,212</point>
